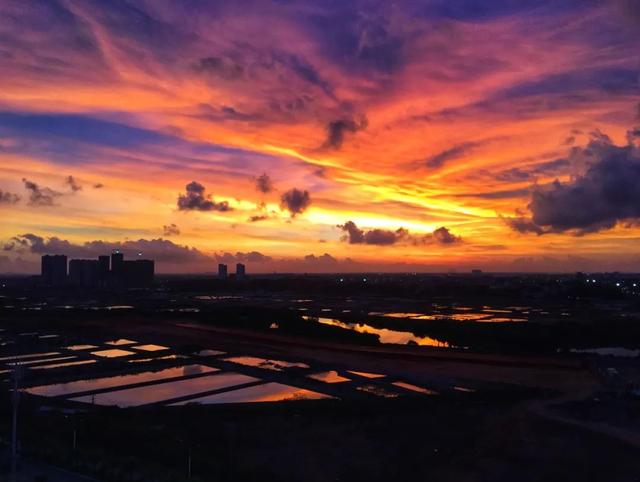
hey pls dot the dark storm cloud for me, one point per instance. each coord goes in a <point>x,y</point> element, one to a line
<point>295,201</point>
<point>337,130</point>
<point>443,236</point>
<point>355,235</point>
<point>8,198</point>
<point>73,184</point>
<point>387,237</point>
<point>438,160</point>
<point>606,194</point>
<point>195,199</point>
<point>170,230</point>
<point>524,225</point>
<point>382,237</point>
<point>258,217</point>
<point>98,185</point>
<point>264,184</point>
<point>40,196</point>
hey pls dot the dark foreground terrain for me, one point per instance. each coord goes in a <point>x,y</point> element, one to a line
<point>518,424</point>
<point>442,439</point>
<point>497,409</point>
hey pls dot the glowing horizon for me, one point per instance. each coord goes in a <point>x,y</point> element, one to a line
<point>427,135</point>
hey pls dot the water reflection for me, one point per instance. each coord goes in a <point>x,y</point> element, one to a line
<point>377,391</point>
<point>120,341</point>
<point>80,347</point>
<point>132,397</point>
<point>367,374</point>
<point>329,377</point>
<point>463,389</point>
<point>209,353</point>
<point>466,316</point>
<point>166,357</point>
<point>29,355</point>
<point>386,335</point>
<point>109,382</point>
<point>276,365</point>
<point>150,347</point>
<point>113,353</point>
<point>40,360</point>
<point>414,388</point>
<point>399,315</point>
<point>503,320</point>
<point>62,365</point>
<point>268,392</point>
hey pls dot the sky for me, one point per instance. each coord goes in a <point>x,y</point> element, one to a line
<point>322,135</point>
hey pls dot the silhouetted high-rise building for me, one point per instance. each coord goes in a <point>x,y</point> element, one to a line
<point>222,270</point>
<point>240,270</point>
<point>131,274</point>
<point>104,269</point>
<point>84,272</point>
<point>54,270</point>
<point>117,259</point>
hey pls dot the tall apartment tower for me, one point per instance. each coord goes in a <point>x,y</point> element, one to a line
<point>240,270</point>
<point>117,261</point>
<point>222,270</point>
<point>104,266</point>
<point>54,270</point>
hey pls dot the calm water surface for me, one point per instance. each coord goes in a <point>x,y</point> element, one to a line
<point>268,392</point>
<point>109,382</point>
<point>132,397</point>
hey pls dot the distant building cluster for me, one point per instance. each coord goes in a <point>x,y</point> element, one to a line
<point>224,273</point>
<point>113,271</point>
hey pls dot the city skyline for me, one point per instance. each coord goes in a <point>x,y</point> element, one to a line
<point>105,271</point>
<point>322,136</point>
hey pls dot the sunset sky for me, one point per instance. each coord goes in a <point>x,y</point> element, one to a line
<point>321,136</point>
